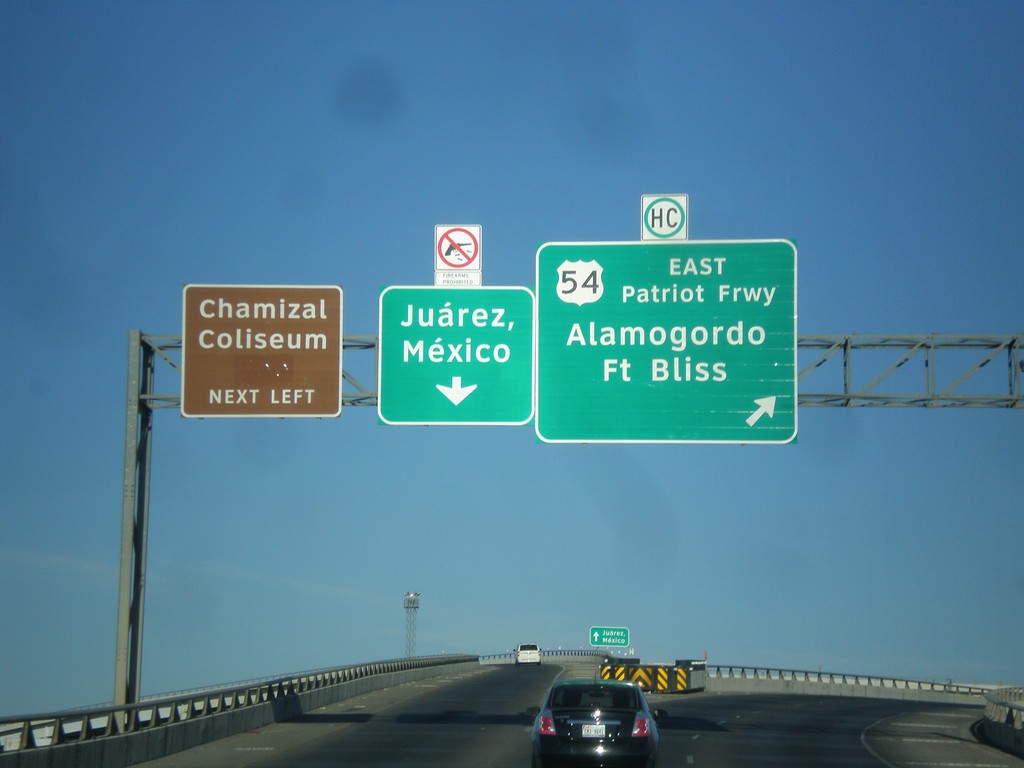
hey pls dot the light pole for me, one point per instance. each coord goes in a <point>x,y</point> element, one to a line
<point>412,604</point>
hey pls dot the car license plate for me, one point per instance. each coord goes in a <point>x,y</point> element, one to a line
<point>593,731</point>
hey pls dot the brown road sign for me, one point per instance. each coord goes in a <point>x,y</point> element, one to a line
<point>261,350</point>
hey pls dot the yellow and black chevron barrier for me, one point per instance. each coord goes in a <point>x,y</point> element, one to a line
<point>642,677</point>
<point>661,678</point>
<point>615,672</point>
<point>680,678</point>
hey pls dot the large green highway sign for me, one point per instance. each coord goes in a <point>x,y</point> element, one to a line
<point>681,342</point>
<point>455,356</point>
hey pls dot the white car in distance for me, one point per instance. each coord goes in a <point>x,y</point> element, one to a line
<point>527,653</point>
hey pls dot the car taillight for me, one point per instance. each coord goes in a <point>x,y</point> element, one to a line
<point>641,727</point>
<point>546,726</point>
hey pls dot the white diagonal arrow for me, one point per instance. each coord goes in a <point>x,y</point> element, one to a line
<point>765,405</point>
<point>456,392</point>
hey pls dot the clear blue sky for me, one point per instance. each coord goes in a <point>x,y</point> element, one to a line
<point>144,146</point>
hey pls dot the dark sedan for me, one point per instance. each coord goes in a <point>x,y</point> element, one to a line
<point>595,723</point>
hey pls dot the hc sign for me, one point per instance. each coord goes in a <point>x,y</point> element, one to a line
<point>664,217</point>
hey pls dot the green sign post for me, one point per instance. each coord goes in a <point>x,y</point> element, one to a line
<point>455,356</point>
<point>615,636</point>
<point>671,342</point>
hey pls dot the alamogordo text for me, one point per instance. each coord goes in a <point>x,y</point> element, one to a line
<point>678,336</point>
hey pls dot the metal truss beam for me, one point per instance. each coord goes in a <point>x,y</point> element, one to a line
<point>168,348</point>
<point>931,371</point>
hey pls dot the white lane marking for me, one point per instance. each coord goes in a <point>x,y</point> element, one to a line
<point>864,742</point>
<point>958,765</point>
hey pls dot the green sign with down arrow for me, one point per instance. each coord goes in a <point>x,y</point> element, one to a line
<point>455,355</point>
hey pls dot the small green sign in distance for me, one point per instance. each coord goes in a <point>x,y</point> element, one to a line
<point>605,636</point>
<point>669,342</point>
<point>456,356</point>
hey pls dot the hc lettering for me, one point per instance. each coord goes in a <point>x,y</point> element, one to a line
<point>664,217</point>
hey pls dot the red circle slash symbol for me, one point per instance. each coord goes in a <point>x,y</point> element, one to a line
<point>457,248</point>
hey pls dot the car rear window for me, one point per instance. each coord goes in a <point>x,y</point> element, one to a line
<point>527,647</point>
<point>597,697</point>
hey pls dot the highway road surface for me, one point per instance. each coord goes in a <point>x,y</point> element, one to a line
<point>477,719</point>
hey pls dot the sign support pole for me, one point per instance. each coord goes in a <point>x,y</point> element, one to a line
<point>134,521</point>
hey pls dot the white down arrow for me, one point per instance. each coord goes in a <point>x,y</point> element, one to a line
<point>456,392</point>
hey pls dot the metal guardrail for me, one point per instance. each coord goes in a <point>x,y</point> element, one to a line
<point>1006,706</point>
<point>27,732</point>
<point>727,671</point>
<point>509,657</point>
<point>722,671</point>
<point>1004,719</point>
